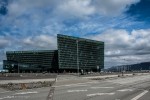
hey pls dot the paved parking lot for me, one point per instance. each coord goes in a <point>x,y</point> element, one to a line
<point>127,88</point>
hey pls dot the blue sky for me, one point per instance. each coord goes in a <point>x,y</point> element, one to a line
<point>124,26</point>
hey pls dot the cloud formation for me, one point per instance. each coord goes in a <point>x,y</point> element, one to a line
<point>33,24</point>
<point>41,42</point>
<point>69,8</point>
<point>75,8</point>
<point>4,42</point>
<point>123,46</point>
<point>113,7</point>
<point>26,17</point>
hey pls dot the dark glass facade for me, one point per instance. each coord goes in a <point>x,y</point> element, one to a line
<point>78,53</point>
<point>43,60</point>
<point>73,54</point>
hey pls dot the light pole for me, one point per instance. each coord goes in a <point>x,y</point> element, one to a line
<point>18,68</point>
<point>77,58</point>
<point>98,69</point>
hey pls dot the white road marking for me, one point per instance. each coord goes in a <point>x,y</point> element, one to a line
<point>99,94</point>
<point>27,92</point>
<point>7,97</point>
<point>5,91</point>
<point>77,84</point>
<point>124,90</point>
<point>76,90</point>
<point>140,95</point>
<point>102,87</point>
<point>13,96</point>
<point>56,79</point>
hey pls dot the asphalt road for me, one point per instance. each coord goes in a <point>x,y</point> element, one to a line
<point>129,88</point>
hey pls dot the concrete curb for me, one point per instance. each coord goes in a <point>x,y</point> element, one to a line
<point>114,76</point>
<point>22,86</point>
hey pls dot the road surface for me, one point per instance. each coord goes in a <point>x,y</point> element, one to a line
<point>129,88</point>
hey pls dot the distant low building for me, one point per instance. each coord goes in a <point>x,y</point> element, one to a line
<point>73,54</point>
<point>35,61</point>
<point>133,67</point>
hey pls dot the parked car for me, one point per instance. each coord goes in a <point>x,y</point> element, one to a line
<point>3,71</point>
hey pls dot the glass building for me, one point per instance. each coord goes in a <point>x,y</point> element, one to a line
<point>80,54</point>
<point>35,61</point>
<point>73,54</point>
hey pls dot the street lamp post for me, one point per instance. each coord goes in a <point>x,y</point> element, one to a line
<point>77,58</point>
<point>18,68</point>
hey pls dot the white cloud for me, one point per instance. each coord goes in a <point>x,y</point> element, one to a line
<point>114,38</point>
<point>1,64</point>
<point>19,7</point>
<point>75,8</point>
<point>113,7</point>
<point>2,53</point>
<point>4,42</point>
<point>26,17</point>
<point>122,39</point>
<point>62,9</point>
<point>69,8</point>
<point>123,47</point>
<point>41,42</point>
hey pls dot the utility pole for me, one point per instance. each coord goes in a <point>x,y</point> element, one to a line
<point>77,58</point>
<point>18,68</point>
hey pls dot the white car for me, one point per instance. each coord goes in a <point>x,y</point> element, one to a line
<point>3,71</point>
